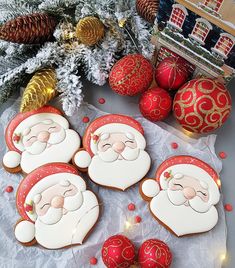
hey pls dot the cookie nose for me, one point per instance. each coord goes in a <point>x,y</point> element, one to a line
<point>189,192</point>
<point>43,136</point>
<point>118,146</point>
<point>57,202</point>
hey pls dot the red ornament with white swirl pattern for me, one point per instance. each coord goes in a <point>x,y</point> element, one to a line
<point>155,104</point>
<point>172,73</point>
<point>118,252</point>
<point>131,75</point>
<point>154,253</point>
<point>202,105</point>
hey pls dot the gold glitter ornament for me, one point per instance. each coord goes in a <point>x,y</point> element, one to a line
<point>90,30</point>
<point>40,90</point>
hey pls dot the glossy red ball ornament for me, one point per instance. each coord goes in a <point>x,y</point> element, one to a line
<point>154,253</point>
<point>131,75</point>
<point>202,105</point>
<point>172,73</point>
<point>155,104</point>
<point>118,251</point>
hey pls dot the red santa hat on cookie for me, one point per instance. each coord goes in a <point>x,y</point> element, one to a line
<point>22,121</point>
<point>179,166</point>
<point>39,180</point>
<point>112,123</point>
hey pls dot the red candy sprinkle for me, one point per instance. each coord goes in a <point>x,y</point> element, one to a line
<point>228,207</point>
<point>9,189</point>
<point>131,206</point>
<point>222,155</point>
<point>85,119</point>
<point>174,145</point>
<point>93,261</point>
<point>101,100</point>
<point>138,219</point>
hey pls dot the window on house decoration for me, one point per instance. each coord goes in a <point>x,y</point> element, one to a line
<point>201,30</point>
<point>224,45</point>
<point>178,16</point>
<point>214,4</point>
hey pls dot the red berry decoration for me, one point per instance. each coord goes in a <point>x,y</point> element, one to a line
<point>154,253</point>
<point>228,207</point>
<point>174,145</point>
<point>223,155</point>
<point>131,75</point>
<point>118,251</point>
<point>202,105</point>
<point>155,104</point>
<point>138,219</point>
<point>101,101</point>
<point>9,189</point>
<point>93,261</point>
<point>131,207</point>
<point>172,73</point>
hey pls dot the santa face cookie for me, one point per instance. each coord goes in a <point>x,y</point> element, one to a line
<point>37,138</point>
<point>183,195</point>
<point>56,209</point>
<point>114,152</point>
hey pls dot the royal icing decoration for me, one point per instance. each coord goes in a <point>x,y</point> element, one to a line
<point>37,138</point>
<point>114,153</point>
<point>187,187</point>
<point>56,208</point>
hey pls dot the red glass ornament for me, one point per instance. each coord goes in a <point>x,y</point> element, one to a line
<point>202,105</point>
<point>172,73</point>
<point>131,75</point>
<point>154,253</point>
<point>155,104</point>
<point>118,251</point>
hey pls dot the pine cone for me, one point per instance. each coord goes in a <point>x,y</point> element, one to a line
<point>35,28</point>
<point>40,90</point>
<point>147,9</point>
<point>90,30</point>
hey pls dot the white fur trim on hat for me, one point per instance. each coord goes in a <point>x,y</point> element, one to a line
<point>118,128</point>
<point>49,181</point>
<point>35,119</point>
<point>197,173</point>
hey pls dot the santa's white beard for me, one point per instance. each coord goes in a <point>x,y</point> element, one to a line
<point>177,198</point>
<point>61,152</point>
<point>128,154</point>
<point>72,228</point>
<point>181,219</point>
<point>119,174</point>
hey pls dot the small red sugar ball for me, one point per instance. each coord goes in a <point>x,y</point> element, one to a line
<point>138,219</point>
<point>223,155</point>
<point>101,101</point>
<point>9,189</point>
<point>174,145</point>
<point>85,119</point>
<point>93,261</point>
<point>131,206</point>
<point>228,207</point>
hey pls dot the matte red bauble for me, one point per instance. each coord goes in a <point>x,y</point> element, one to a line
<point>202,105</point>
<point>131,75</point>
<point>172,73</point>
<point>154,253</point>
<point>118,251</point>
<point>155,104</point>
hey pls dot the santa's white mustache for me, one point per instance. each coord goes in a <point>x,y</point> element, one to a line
<point>38,147</point>
<point>128,154</point>
<point>54,215</point>
<point>177,198</point>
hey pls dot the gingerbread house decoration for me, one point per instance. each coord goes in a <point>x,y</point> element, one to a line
<point>224,45</point>
<point>201,31</point>
<point>214,5</point>
<point>177,17</point>
<point>185,27</point>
